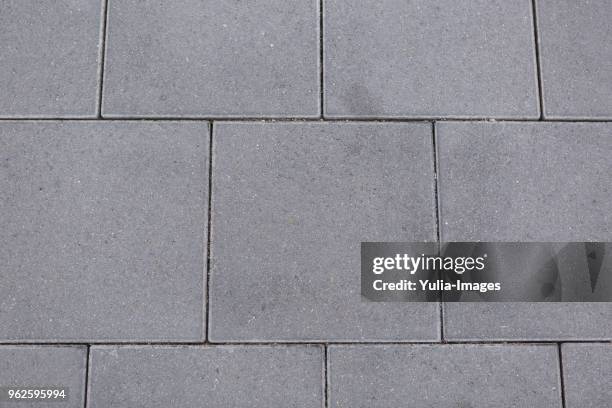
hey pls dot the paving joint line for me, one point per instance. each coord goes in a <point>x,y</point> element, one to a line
<point>536,38</point>
<point>437,219</point>
<point>102,55</point>
<point>296,119</point>
<point>435,174</point>
<point>87,365</point>
<point>562,381</point>
<point>208,233</point>
<point>326,376</point>
<point>321,61</point>
<point>306,343</point>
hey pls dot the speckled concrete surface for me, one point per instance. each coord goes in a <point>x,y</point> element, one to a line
<point>184,187</point>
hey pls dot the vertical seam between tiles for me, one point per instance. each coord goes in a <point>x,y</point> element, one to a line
<point>321,62</point>
<point>326,376</point>
<point>536,39</point>
<point>437,219</point>
<point>87,366</point>
<point>435,175</point>
<point>102,56</point>
<point>561,382</point>
<point>209,234</point>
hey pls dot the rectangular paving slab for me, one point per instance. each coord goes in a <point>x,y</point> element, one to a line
<point>291,204</point>
<point>444,376</point>
<point>35,367</point>
<point>525,182</point>
<point>234,376</point>
<point>393,58</point>
<point>214,59</point>
<point>587,374</point>
<point>575,53</point>
<point>50,56</point>
<point>103,226</point>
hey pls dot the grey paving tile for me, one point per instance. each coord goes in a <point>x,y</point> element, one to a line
<point>40,366</point>
<point>527,321</point>
<point>587,374</point>
<point>575,54</point>
<point>526,182</point>
<point>291,204</point>
<point>49,58</point>
<point>103,226</point>
<point>444,376</point>
<point>532,181</point>
<point>214,59</point>
<point>210,376</point>
<point>449,58</point>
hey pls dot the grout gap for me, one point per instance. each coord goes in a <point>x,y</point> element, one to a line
<point>326,376</point>
<point>296,119</point>
<point>102,55</point>
<point>536,38</point>
<point>435,173</point>
<point>87,364</point>
<point>300,343</point>
<point>321,60</point>
<point>437,219</point>
<point>562,382</point>
<point>209,234</point>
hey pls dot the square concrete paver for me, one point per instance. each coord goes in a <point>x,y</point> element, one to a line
<point>525,182</point>
<point>234,376</point>
<point>33,367</point>
<point>575,58</point>
<point>394,58</point>
<point>212,58</point>
<point>291,204</point>
<point>444,376</point>
<point>587,374</point>
<point>103,226</point>
<point>49,58</point>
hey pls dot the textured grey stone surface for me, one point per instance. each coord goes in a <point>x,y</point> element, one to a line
<point>228,376</point>
<point>575,53</point>
<point>444,376</point>
<point>103,230</point>
<point>49,58</point>
<point>449,58</point>
<point>291,204</point>
<point>587,374</point>
<point>40,366</point>
<point>104,223</point>
<point>525,182</point>
<point>215,59</point>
